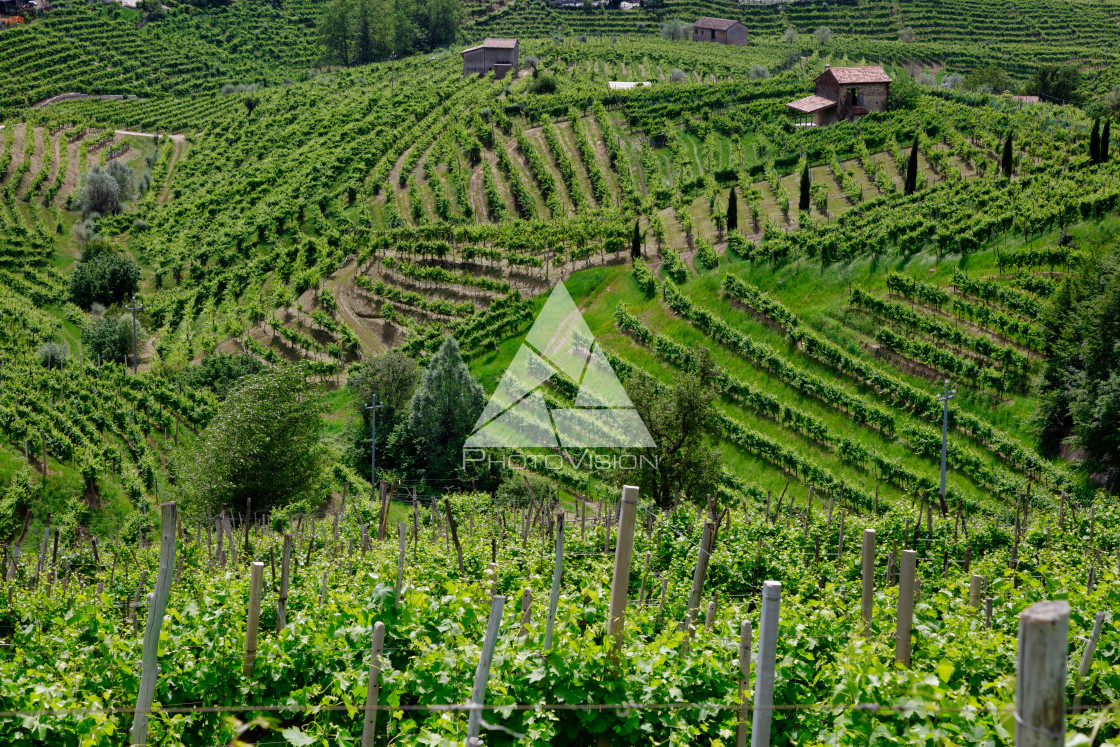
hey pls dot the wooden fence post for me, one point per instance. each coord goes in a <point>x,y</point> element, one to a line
<point>149,665</point>
<point>868,599</point>
<point>482,674</point>
<point>744,682</point>
<point>1040,683</point>
<point>624,548</point>
<point>557,574</point>
<point>256,579</point>
<point>905,607</point>
<point>373,686</point>
<point>767,657</point>
<point>282,598</point>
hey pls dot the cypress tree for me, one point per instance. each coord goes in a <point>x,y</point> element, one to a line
<point>733,211</point>
<point>803,203</point>
<point>636,241</point>
<point>1104,141</point>
<point>912,169</point>
<point>1007,156</point>
<point>1095,143</point>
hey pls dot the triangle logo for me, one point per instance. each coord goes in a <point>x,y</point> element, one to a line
<point>518,415</point>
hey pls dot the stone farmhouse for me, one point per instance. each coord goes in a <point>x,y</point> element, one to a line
<point>499,55</point>
<point>719,31</point>
<point>843,93</point>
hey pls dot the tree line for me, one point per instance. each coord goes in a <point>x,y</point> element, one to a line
<point>357,32</point>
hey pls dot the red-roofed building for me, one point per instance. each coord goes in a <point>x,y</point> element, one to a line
<point>843,93</point>
<point>499,55</point>
<point>720,31</point>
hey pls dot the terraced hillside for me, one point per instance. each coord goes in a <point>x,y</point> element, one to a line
<point>339,215</point>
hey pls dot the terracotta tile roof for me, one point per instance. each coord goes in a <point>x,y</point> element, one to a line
<point>719,24</point>
<point>852,75</point>
<point>811,104</point>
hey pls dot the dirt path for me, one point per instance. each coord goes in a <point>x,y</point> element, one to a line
<point>18,145</point>
<point>35,142</point>
<point>536,137</point>
<point>476,192</point>
<point>340,284</point>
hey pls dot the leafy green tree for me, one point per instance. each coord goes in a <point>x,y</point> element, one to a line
<point>111,337</point>
<point>1007,161</point>
<point>675,29</point>
<point>903,95</point>
<point>1080,388</point>
<point>912,168</point>
<point>806,189</point>
<point>442,414</point>
<point>106,278</point>
<point>1055,81</point>
<point>1095,143</point>
<point>262,449</point>
<point>392,376</point>
<point>732,211</point>
<point>990,79</point>
<point>334,32</point>
<point>682,420</point>
<point>363,43</point>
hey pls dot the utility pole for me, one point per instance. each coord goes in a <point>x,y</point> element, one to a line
<point>373,407</point>
<point>945,439</point>
<point>134,308</point>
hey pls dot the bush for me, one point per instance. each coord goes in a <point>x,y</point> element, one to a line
<point>906,35</point>
<point>759,72</point>
<point>219,372</point>
<point>677,76</point>
<point>823,35</point>
<point>106,278</point>
<point>543,84</point>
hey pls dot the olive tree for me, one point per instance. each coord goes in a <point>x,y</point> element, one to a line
<point>822,35</point>
<point>100,193</point>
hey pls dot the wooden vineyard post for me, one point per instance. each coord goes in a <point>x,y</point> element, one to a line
<point>1040,682</point>
<point>975,586</point>
<point>282,598</point>
<point>557,574</point>
<point>18,545</point>
<point>988,613</point>
<point>624,548</point>
<point>373,688</point>
<point>905,607</point>
<point>454,533</point>
<point>767,657</point>
<point>744,682</point>
<point>868,598</point>
<point>703,556</point>
<point>526,611</point>
<point>402,530</point>
<point>256,580</point>
<point>1087,658</point>
<point>482,674</point>
<point>149,665</point>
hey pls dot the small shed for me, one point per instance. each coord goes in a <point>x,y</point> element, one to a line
<point>812,111</point>
<point>719,31</point>
<point>499,55</point>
